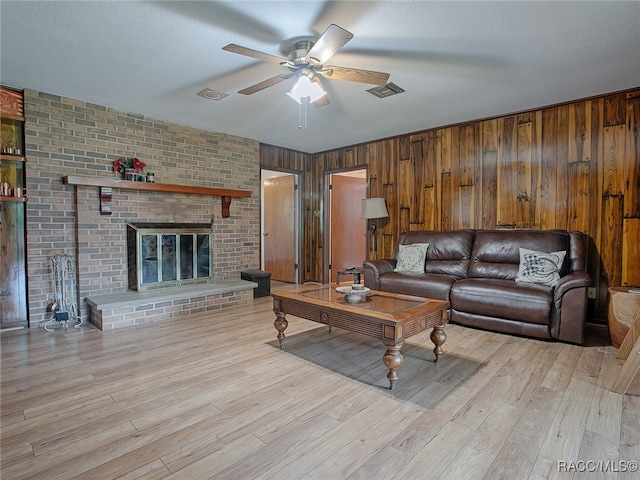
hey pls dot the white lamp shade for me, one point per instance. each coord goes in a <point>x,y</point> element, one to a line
<point>374,208</point>
<point>304,87</point>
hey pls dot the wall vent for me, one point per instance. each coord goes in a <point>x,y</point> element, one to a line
<point>211,94</point>
<point>383,91</point>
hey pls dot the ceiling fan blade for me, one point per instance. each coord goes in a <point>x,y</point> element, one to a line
<point>430,58</point>
<point>323,101</point>
<point>348,12</point>
<point>355,75</point>
<point>249,52</point>
<point>264,84</point>
<point>226,16</point>
<point>332,40</point>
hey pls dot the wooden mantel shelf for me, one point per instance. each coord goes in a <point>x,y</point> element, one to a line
<point>107,184</point>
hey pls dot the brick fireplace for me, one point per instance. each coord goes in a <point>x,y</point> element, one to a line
<point>68,137</point>
<point>103,258</point>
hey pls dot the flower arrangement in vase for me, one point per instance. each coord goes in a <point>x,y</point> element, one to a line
<point>128,167</point>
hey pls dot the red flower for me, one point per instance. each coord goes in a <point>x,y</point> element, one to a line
<point>117,165</point>
<point>123,163</point>
<point>137,164</point>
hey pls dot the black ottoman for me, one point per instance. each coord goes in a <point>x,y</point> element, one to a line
<point>263,279</point>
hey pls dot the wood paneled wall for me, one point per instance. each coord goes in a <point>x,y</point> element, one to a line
<point>574,166</point>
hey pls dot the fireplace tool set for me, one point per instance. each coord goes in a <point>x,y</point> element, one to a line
<point>65,304</point>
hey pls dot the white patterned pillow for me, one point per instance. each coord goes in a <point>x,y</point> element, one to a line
<point>411,258</point>
<point>540,267</point>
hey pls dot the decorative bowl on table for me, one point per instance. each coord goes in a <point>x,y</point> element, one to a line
<point>353,293</point>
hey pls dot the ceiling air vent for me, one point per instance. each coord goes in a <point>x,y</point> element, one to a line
<point>383,91</point>
<point>211,94</point>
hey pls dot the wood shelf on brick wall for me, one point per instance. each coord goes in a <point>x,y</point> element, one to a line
<point>107,184</point>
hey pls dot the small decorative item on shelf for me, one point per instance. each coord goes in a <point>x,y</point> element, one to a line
<point>128,167</point>
<point>10,149</point>
<point>151,178</point>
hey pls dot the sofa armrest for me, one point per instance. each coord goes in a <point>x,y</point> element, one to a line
<point>569,318</point>
<point>569,282</point>
<point>374,268</point>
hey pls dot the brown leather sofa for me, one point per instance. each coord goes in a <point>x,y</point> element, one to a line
<point>476,270</point>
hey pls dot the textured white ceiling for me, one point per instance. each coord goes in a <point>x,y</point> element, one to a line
<point>457,61</point>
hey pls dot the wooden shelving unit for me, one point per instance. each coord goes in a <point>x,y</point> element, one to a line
<point>13,116</point>
<point>14,304</point>
<point>12,199</point>
<point>106,184</point>
<point>13,158</point>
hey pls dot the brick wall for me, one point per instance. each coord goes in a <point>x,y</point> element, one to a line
<point>70,137</point>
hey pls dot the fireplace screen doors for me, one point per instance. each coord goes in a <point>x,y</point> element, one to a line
<point>167,255</point>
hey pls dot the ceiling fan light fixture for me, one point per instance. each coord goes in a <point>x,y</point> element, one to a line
<point>304,88</point>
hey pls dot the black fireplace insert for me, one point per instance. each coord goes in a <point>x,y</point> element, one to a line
<point>163,255</point>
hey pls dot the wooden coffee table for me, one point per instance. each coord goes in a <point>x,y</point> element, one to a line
<point>388,316</point>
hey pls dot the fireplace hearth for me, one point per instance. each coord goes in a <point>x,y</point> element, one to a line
<point>161,255</point>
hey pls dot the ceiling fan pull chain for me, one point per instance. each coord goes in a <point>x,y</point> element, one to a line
<point>302,107</point>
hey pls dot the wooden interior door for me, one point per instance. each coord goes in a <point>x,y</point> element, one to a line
<point>279,228</point>
<point>347,230</point>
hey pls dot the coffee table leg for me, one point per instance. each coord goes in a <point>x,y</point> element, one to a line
<point>393,359</point>
<point>281,325</point>
<point>438,337</point>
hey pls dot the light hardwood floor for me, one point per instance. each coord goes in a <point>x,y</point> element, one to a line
<point>214,397</point>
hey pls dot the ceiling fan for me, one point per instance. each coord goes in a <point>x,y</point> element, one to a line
<point>307,59</point>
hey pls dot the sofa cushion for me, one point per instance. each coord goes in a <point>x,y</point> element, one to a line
<point>427,285</point>
<point>491,297</point>
<point>448,253</point>
<point>540,267</point>
<point>496,253</point>
<point>411,258</point>
<point>503,325</point>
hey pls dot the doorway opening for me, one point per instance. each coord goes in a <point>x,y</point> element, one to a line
<point>280,221</point>
<point>346,233</point>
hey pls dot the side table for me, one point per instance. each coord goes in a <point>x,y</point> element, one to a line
<point>622,306</point>
<point>629,349</point>
<point>355,271</point>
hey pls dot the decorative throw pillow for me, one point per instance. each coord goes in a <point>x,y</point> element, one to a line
<point>411,258</point>
<point>540,267</point>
